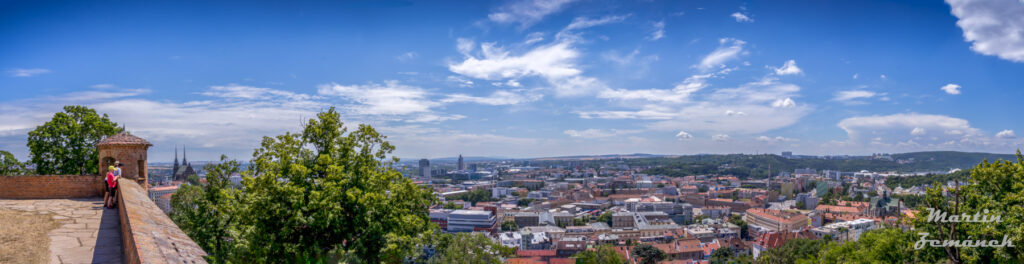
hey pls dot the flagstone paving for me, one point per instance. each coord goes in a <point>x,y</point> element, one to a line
<point>89,232</point>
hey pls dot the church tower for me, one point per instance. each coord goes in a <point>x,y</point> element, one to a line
<point>175,161</point>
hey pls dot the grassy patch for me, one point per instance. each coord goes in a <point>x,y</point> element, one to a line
<point>23,236</point>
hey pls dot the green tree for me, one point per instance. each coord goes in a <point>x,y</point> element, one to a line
<point>67,143</point>
<point>887,245</point>
<point>721,256</point>
<point>524,202</point>
<point>606,217</point>
<point>994,189</point>
<point>9,165</point>
<point>207,212</point>
<point>603,254</point>
<point>791,251</point>
<point>327,194</point>
<point>648,254</point>
<point>509,226</point>
<point>451,205</point>
<point>469,248</point>
<point>738,221</point>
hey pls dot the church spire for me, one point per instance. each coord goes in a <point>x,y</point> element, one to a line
<point>184,155</point>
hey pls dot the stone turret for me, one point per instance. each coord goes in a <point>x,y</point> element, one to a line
<point>130,151</point>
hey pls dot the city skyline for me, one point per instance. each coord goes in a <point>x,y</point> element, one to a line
<point>523,79</point>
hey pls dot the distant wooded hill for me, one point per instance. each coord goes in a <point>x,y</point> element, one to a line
<point>745,165</point>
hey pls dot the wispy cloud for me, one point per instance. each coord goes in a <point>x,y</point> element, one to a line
<point>27,72</point>
<point>599,133</point>
<point>742,18</point>
<point>728,49</point>
<point>658,31</point>
<point>499,97</point>
<point>527,12</point>
<point>851,95</point>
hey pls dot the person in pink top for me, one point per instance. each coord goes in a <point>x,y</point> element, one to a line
<point>109,199</point>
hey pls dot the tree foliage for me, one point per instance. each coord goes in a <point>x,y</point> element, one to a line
<point>791,251</point>
<point>67,143</point>
<point>887,245</point>
<point>322,195</point>
<point>474,196</point>
<point>207,212</point>
<point>603,254</point>
<point>648,254</point>
<point>327,193</point>
<point>995,189</point>
<point>509,226</point>
<point>9,165</point>
<point>469,248</point>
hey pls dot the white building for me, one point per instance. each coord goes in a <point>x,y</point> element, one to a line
<point>849,230</point>
<point>467,220</point>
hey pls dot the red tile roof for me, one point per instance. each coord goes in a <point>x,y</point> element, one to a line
<point>537,253</point>
<point>123,139</point>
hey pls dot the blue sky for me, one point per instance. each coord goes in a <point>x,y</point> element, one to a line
<point>528,78</point>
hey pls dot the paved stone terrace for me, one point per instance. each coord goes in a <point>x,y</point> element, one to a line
<point>90,233</point>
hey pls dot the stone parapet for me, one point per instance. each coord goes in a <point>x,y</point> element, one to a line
<point>149,235</point>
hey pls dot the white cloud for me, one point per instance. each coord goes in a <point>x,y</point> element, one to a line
<point>1006,134</point>
<point>994,27</point>
<point>236,91</point>
<point>461,82</point>
<point>499,97</point>
<point>917,131</point>
<point>583,22</point>
<point>102,86</point>
<point>390,98</point>
<point>527,12</point>
<point>407,57</point>
<point>598,133</point>
<point>784,103</point>
<point>855,75</point>
<point>763,104</point>
<point>27,72</point>
<point>777,139</point>
<point>742,18</point>
<point>734,113</point>
<point>659,30</point>
<point>850,95</point>
<point>534,38</point>
<point>681,93</point>
<point>951,88</point>
<point>868,131</point>
<point>554,62</point>
<point>682,135</point>
<point>883,77</point>
<point>720,137</point>
<point>728,49</point>
<point>549,61</point>
<point>788,68</point>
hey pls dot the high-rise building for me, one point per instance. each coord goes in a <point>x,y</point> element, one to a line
<point>425,168</point>
<point>462,164</point>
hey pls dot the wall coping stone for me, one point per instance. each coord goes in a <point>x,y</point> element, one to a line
<point>149,234</point>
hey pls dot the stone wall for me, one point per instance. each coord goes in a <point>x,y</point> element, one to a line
<point>51,186</point>
<point>148,235</point>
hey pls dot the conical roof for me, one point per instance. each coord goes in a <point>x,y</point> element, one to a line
<point>124,139</point>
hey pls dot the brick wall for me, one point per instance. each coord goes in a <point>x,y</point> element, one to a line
<point>51,186</point>
<point>148,235</point>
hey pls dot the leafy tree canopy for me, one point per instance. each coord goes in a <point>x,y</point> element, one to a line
<point>67,143</point>
<point>9,165</point>
<point>603,254</point>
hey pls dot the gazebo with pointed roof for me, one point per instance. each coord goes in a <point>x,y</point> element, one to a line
<point>130,151</point>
